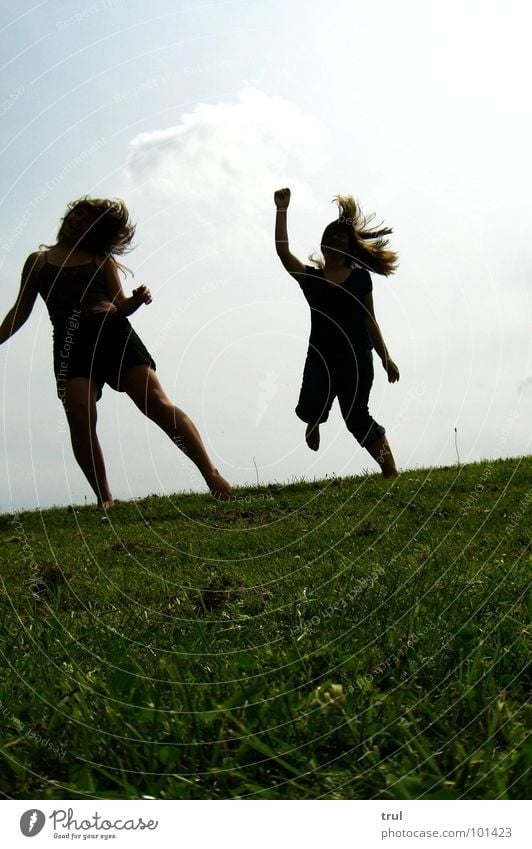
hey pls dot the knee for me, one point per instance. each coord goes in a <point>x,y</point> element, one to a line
<point>156,405</point>
<point>79,411</point>
<point>81,418</point>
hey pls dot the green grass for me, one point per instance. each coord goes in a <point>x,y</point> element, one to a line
<point>350,639</point>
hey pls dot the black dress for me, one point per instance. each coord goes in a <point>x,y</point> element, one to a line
<point>87,342</point>
<point>339,361</point>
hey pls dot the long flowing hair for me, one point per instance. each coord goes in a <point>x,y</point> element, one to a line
<point>112,231</point>
<point>368,247</point>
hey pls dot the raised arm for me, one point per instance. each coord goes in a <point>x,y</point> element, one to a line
<point>293,265</point>
<point>21,309</point>
<point>125,305</point>
<point>378,342</point>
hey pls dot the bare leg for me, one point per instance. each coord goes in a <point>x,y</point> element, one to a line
<point>80,409</point>
<point>381,452</point>
<point>312,436</point>
<point>143,387</point>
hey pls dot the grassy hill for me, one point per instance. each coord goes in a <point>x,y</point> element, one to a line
<point>348,638</point>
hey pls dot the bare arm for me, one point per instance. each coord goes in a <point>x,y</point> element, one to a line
<point>293,265</point>
<point>21,310</point>
<point>378,341</point>
<point>118,297</point>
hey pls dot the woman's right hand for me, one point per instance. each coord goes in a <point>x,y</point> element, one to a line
<point>282,198</point>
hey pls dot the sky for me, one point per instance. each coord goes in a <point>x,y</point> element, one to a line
<point>195,113</point>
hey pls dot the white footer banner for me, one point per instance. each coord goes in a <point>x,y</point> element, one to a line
<point>253,824</point>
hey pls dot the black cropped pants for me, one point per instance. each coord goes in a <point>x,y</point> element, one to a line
<point>350,380</point>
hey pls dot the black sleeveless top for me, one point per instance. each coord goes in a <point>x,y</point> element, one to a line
<point>338,316</point>
<point>65,289</point>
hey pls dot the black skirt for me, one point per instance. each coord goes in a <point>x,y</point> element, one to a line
<point>100,347</point>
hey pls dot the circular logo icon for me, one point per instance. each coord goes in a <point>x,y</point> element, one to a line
<point>32,822</point>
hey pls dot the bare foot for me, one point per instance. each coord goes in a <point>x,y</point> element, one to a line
<point>219,487</point>
<point>105,505</point>
<point>312,436</point>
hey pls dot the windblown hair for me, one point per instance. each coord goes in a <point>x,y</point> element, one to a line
<point>111,233</point>
<point>367,246</point>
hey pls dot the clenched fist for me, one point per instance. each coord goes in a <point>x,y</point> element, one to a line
<point>142,295</point>
<point>282,198</point>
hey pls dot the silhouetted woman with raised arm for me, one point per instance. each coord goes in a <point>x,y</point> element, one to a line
<point>343,325</point>
<point>94,343</point>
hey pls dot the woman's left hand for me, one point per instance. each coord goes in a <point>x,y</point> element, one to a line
<point>392,371</point>
<point>143,295</point>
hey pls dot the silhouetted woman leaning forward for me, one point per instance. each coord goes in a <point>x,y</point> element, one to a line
<point>94,342</point>
<point>343,325</point>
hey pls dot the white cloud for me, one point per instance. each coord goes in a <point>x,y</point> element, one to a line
<point>229,155</point>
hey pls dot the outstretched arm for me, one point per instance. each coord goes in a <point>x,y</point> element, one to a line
<point>293,265</point>
<point>127,306</point>
<point>378,341</point>
<point>21,310</point>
